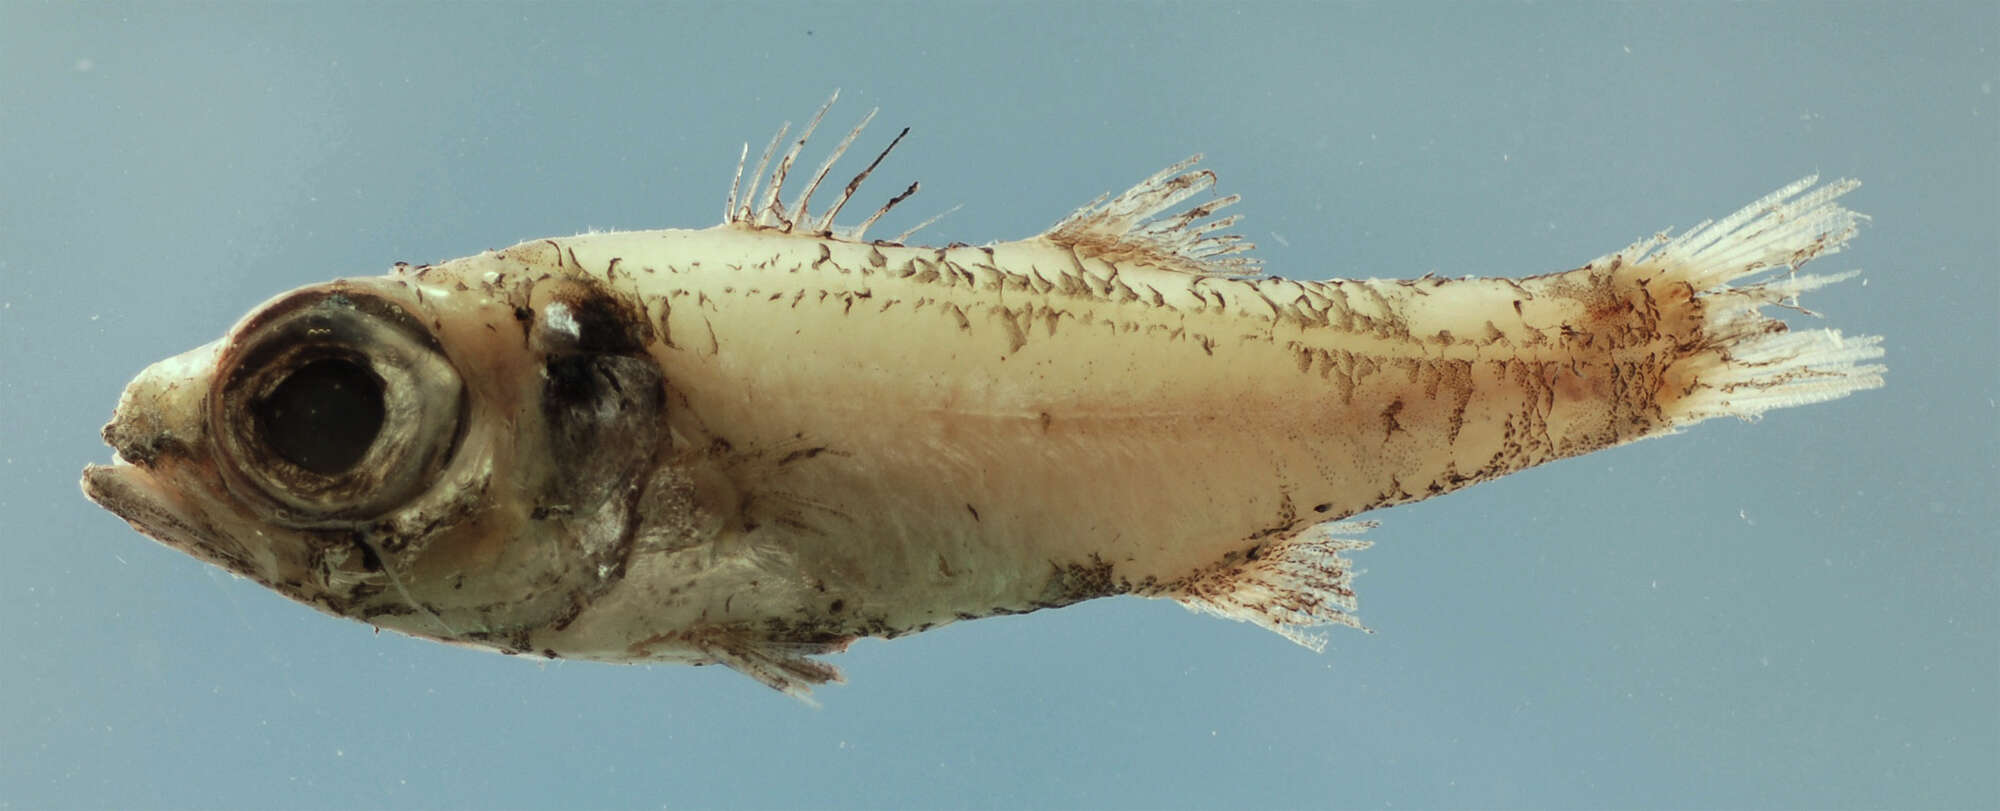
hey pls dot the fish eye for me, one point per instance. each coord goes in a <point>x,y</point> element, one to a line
<point>336,405</point>
<point>323,415</point>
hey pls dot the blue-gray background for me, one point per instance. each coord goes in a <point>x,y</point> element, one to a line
<point>1800,612</point>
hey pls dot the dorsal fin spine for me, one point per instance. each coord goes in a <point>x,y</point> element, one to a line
<point>1125,227</point>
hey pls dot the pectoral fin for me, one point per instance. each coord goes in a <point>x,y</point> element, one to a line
<point>783,666</point>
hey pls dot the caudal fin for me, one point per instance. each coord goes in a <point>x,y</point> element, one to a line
<point>1663,334</point>
<point>1745,362</point>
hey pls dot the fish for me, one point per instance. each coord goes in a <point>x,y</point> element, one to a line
<point>755,443</point>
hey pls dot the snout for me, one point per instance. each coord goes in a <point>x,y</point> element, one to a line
<point>161,410</point>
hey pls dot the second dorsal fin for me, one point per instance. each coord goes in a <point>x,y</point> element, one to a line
<point>1130,227</point>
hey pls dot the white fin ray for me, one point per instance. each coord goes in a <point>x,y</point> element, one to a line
<point>926,223</point>
<point>745,207</point>
<point>1776,230</point>
<point>805,199</point>
<point>825,225</point>
<point>1290,585</point>
<point>773,210</point>
<point>747,213</point>
<point>1123,227</point>
<point>1755,362</point>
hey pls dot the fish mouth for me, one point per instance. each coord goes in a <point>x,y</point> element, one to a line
<point>129,493</point>
<point>133,494</point>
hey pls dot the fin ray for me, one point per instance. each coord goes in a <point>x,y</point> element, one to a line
<point>1128,226</point>
<point>760,204</point>
<point>1752,363</point>
<point>1297,583</point>
<point>1125,227</point>
<point>782,666</point>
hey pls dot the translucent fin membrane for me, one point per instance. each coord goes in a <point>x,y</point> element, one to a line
<point>1124,227</point>
<point>1291,585</point>
<point>1751,363</point>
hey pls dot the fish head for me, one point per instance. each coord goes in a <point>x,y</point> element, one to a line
<point>468,462</point>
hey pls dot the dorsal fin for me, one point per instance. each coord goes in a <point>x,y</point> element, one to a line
<point>1116,229</point>
<point>1123,228</point>
<point>745,207</point>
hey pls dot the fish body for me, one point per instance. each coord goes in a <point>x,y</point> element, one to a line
<point>754,443</point>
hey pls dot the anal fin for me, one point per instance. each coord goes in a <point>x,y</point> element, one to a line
<point>1286,586</point>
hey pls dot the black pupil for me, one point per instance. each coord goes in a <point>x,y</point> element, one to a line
<point>323,416</point>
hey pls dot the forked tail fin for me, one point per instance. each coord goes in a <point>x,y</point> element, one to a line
<point>1749,362</point>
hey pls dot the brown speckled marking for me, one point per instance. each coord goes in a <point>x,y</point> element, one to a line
<point>819,481</point>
